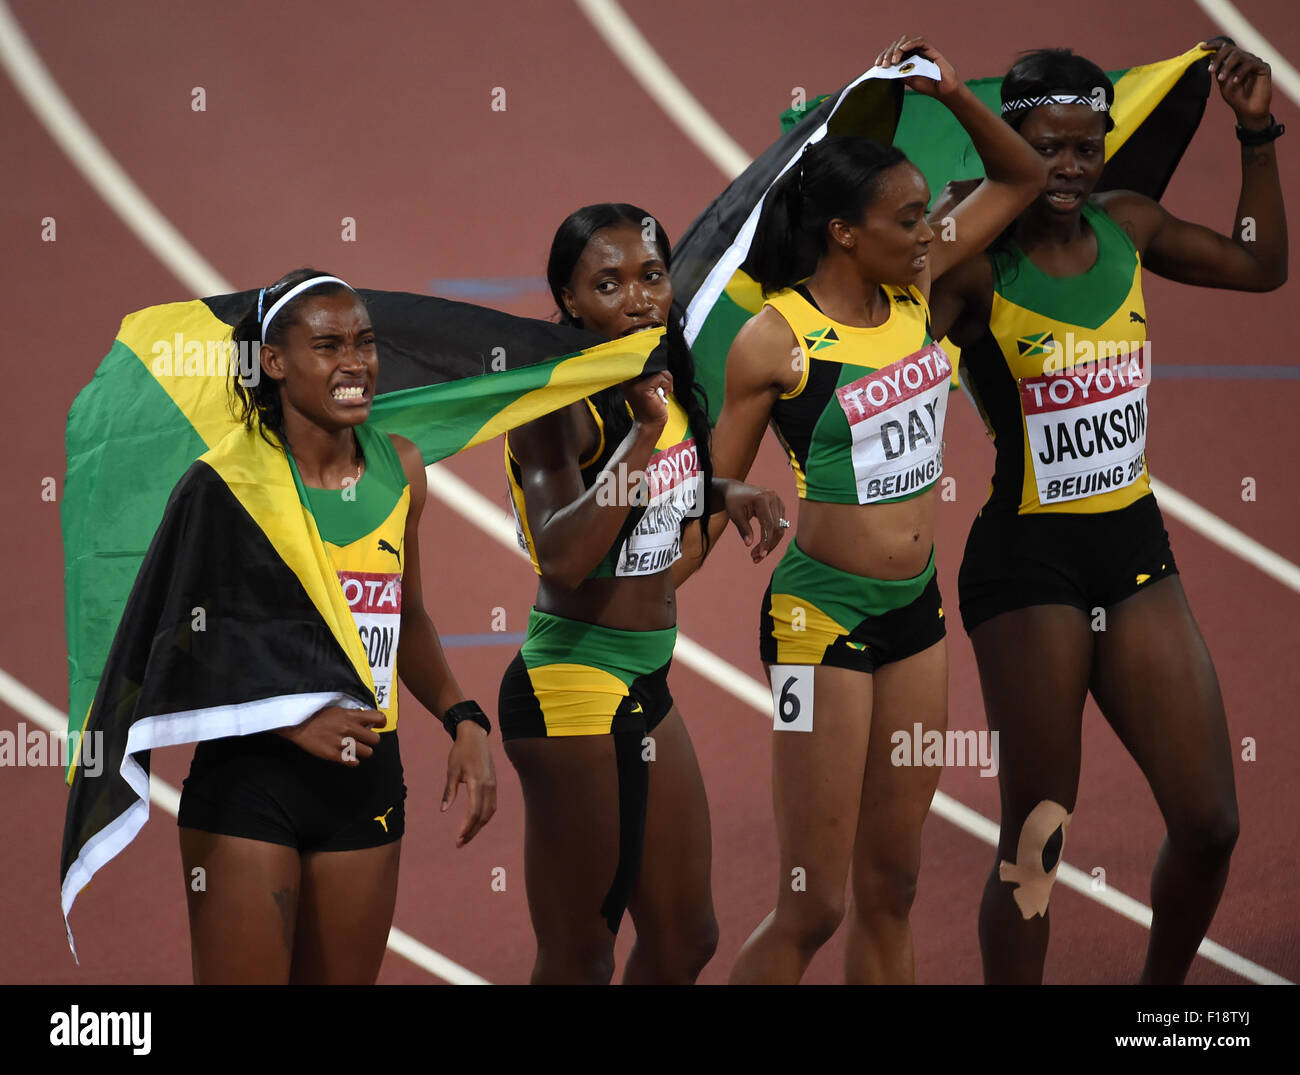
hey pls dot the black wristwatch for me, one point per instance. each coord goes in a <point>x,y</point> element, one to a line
<point>467,710</point>
<point>1258,138</point>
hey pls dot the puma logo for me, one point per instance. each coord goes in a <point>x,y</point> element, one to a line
<point>383,818</point>
<point>1133,315</point>
<point>385,547</point>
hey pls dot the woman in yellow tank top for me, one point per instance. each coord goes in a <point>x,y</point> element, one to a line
<point>843,364</point>
<point>298,830</point>
<point>604,491</point>
<point>1070,540</point>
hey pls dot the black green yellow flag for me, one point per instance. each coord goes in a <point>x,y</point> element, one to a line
<point>235,624</point>
<point>233,540</point>
<point>1156,111</point>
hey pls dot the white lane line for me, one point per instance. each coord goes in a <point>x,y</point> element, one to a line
<point>497,523</point>
<point>695,122</point>
<point>1225,535</point>
<point>33,80</point>
<point>435,963</point>
<point>35,708</point>
<point>1235,25</point>
<point>107,178</point>
<point>664,87</point>
<point>1071,877</point>
<point>481,512</point>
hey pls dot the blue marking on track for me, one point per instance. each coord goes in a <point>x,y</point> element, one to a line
<point>487,287</point>
<point>1226,373</point>
<point>493,638</point>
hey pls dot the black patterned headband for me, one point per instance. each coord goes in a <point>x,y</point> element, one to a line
<point>1096,104</point>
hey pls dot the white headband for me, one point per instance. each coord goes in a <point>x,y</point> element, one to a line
<point>1056,99</point>
<point>315,281</point>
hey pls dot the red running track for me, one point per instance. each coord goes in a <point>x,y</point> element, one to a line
<point>320,113</point>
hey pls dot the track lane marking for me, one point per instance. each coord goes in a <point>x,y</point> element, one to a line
<point>620,33</point>
<point>1241,31</point>
<point>498,524</point>
<point>31,705</point>
<point>694,121</point>
<point>480,511</point>
<point>97,166</point>
<point>107,178</point>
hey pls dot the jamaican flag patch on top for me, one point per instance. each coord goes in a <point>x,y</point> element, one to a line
<point>821,339</point>
<point>1039,343</point>
<point>1156,111</point>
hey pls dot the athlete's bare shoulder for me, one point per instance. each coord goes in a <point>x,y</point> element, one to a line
<point>1139,216</point>
<point>761,354</point>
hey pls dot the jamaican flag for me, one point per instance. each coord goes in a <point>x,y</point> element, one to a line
<point>234,613</point>
<point>1156,111</point>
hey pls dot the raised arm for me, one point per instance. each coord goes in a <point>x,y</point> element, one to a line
<point>763,362</point>
<point>573,527</point>
<point>1252,256</point>
<point>1015,174</point>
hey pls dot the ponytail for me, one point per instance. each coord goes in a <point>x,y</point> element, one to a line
<point>834,179</point>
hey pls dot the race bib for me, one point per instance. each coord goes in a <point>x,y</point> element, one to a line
<point>673,491</point>
<point>376,603</point>
<point>896,419</point>
<point>520,540</point>
<point>1087,428</point>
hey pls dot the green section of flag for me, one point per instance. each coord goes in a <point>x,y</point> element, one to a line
<point>447,418</point>
<point>113,498</point>
<point>936,143</point>
<point>1157,110</point>
<point>719,329</point>
<point>142,421</point>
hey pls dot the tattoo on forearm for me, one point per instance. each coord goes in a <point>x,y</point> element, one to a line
<point>1254,155</point>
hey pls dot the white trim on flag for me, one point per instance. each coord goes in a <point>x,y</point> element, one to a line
<point>734,256</point>
<point>172,729</point>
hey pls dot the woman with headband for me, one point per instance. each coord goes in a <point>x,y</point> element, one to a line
<point>615,811</point>
<point>844,365</point>
<point>1068,584</point>
<point>298,830</point>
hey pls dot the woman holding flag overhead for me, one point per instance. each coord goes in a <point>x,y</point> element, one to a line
<point>1068,584</point>
<point>615,809</point>
<point>842,362</point>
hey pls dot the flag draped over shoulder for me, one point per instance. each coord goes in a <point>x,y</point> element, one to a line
<point>232,540</point>
<point>1156,111</point>
<point>451,375</point>
<point>236,624</point>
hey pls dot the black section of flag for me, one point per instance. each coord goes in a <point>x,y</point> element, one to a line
<point>424,340</point>
<point>215,618</point>
<point>870,110</point>
<point>1146,162</point>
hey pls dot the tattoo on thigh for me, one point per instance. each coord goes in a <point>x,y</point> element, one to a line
<point>287,901</point>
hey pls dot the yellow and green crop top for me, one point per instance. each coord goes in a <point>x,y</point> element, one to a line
<point>671,492</point>
<point>363,527</point>
<point>865,423</point>
<point>1060,379</point>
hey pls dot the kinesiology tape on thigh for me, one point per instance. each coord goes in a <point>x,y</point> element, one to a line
<point>633,790</point>
<point>1038,856</point>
